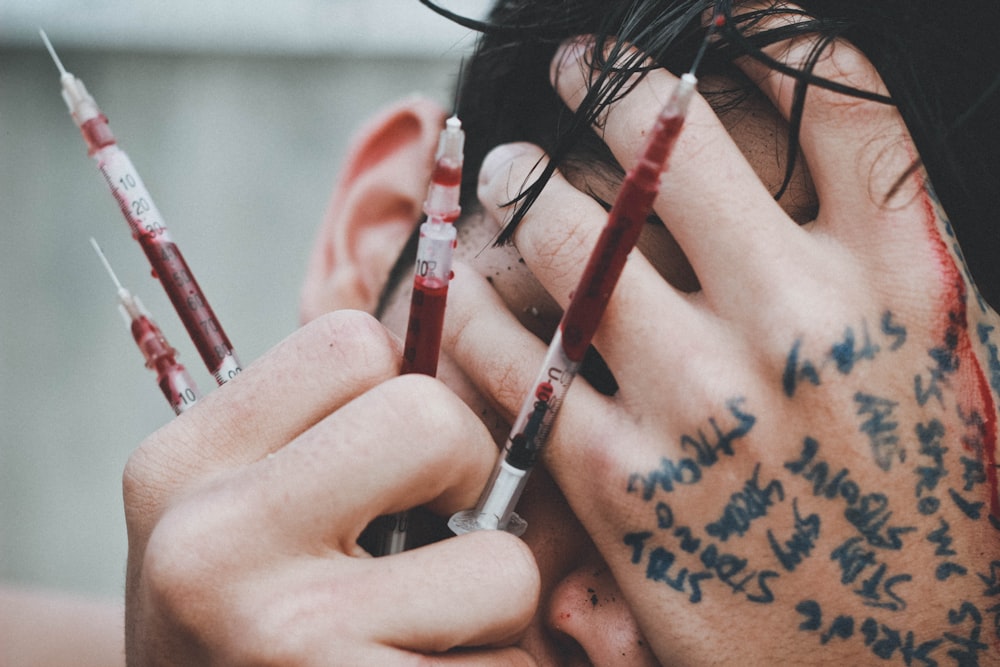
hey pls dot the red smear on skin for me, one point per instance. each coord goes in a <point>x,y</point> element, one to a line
<point>970,371</point>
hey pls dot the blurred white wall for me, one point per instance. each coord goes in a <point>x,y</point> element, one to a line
<point>237,120</point>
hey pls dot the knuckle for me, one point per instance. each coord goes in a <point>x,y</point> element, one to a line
<point>179,554</point>
<point>353,338</point>
<point>146,481</point>
<point>434,415</point>
<point>526,163</point>
<point>177,574</point>
<point>507,382</point>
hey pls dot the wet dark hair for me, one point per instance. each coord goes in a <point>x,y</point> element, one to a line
<point>940,63</point>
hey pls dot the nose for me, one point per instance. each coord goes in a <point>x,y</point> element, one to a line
<point>588,607</point>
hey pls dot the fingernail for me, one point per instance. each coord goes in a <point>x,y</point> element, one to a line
<point>571,51</point>
<point>497,160</point>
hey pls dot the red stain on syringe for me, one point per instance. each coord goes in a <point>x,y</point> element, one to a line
<point>171,376</point>
<point>447,174</point>
<point>423,342</point>
<point>188,300</point>
<point>617,239</point>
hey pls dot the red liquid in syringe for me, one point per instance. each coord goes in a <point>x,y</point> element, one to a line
<point>423,333</point>
<point>167,262</point>
<point>434,256</point>
<point>147,226</point>
<point>171,377</point>
<point>625,223</point>
<point>188,300</point>
<point>97,134</point>
<point>447,175</point>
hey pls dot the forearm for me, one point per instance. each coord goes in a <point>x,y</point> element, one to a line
<point>55,628</point>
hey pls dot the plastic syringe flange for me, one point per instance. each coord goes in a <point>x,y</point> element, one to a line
<point>496,510</point>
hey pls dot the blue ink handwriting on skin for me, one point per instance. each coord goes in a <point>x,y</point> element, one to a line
<point>877,590</point>
<point>844,355</point>
<point>929,437</point>
<point>869,513</point>
<point>800,545</point>
<point>880,427</point>
<point>687,471</point>
<point>752,502</point>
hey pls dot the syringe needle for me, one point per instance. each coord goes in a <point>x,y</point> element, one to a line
<point>52,52</point>
<point>107,264</point>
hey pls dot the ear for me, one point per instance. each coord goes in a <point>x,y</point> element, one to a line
<point>375,205</point>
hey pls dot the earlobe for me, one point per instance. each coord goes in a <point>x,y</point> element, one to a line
<point>374,207</point>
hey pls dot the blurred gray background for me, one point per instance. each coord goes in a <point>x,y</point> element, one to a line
<point>236,117</point>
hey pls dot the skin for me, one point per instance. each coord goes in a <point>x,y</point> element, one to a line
<point>89,635</point>
<point>244,512</point>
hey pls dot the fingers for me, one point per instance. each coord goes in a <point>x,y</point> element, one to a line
<point>257,561</point>
<point>477,320</point>
<point>408,442</point>
<point>557,237</point>
<point>310,374</point>
<point>560,229</point>
<point>324,608</point>
<point>490,595</point>
<point>710,198</point>
<point>856,148</point>
<point>571,221</point>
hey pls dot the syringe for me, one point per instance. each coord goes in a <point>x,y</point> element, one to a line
<point>433,272</point>
<point>148,227</point>
<point>432,275</point>
<point>495,509</point>
<point>173,379</point>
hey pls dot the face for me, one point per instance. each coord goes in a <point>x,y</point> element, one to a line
<point>583,618</point>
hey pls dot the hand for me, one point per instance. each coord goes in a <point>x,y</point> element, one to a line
<point>800,463</point>
<point>244,514</point>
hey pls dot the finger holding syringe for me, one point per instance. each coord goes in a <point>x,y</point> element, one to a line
<point>529,433</point>
<point>432,275</point>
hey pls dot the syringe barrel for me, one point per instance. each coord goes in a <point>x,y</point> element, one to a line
<point>444,191</point>
<point>432,276</point>
<point>174,381</point>
<point>495,509</point>
<point>178,388</point>
<point>434,252</point>
<point>169,266</point>
<point>538,412</point>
